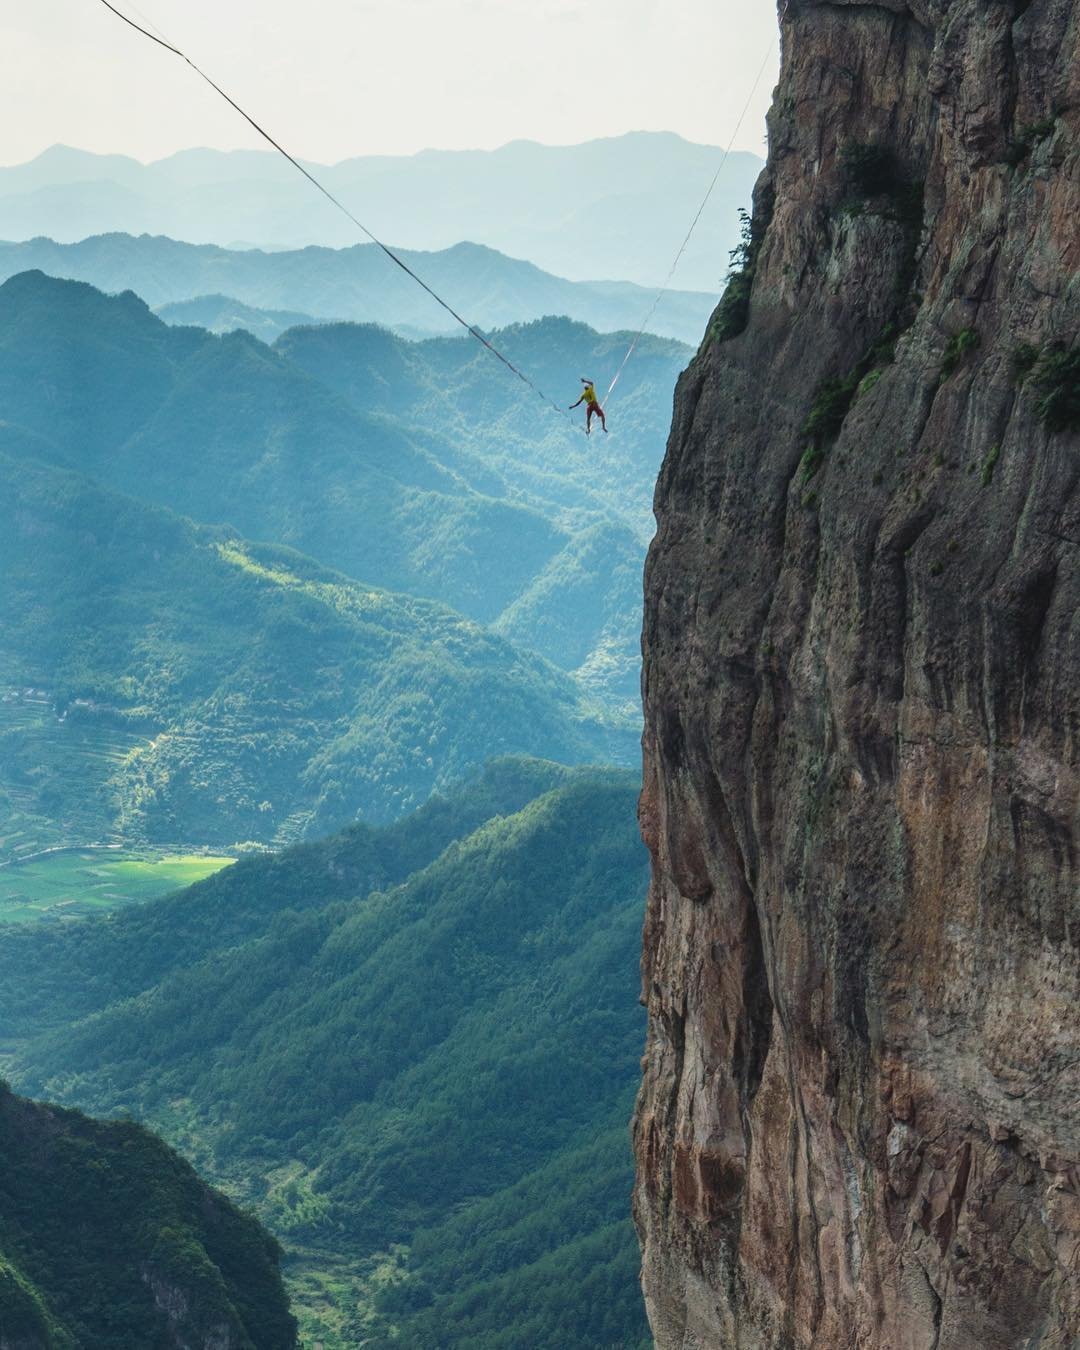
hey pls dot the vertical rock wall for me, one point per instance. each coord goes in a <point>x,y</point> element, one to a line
<point>859,1123</point>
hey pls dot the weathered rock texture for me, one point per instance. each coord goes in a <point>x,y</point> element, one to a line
<point>859,1121</point>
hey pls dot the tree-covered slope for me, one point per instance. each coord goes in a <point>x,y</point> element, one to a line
<point>50,977</point>
<point>110,1241</point>
<point>423,467</point>
<point>196,686</point>
<point>491,430</point>
<point>224,428</point>
<point>440,1068</point>
<point>577,612</point>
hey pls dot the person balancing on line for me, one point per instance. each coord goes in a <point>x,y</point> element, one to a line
<point>592,405</point>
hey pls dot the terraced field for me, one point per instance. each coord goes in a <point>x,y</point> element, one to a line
<point>22,708</point>
<point>73,882</point>
<point>55,775</point>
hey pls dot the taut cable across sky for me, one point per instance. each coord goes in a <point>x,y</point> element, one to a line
<point>159,39</point>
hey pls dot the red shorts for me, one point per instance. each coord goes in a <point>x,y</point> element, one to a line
<point>594,408</point>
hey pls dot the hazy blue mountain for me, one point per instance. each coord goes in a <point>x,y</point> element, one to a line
<point>109,1241</point>
<point>614,208</point>
<point>196,687</point>
<point>62,164</point>
<point>414,1050</point>
<point>222,314</point>
<point>359,283</point>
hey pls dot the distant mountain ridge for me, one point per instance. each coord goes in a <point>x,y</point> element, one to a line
<point>222,314</point>
<point>565,208</point>
<point>358,283</point>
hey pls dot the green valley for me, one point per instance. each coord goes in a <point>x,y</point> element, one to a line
<point>412,1049</point>
<point>70,883</point>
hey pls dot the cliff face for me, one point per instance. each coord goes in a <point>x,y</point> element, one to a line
<point>858,1124</point>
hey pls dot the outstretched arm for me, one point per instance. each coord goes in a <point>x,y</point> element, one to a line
<point>578,404</point>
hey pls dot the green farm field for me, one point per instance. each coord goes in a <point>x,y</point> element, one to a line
<point>75,882</point>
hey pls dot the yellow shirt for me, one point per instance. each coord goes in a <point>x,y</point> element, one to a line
<point>590,394</point>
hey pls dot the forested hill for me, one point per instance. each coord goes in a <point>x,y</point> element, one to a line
<point>414,1049</point>
<point>422,467</point>
<point>109,1241</point>
<point>224,428</point>
<point>358,283</point>
<point>457,402</point>
<point>195,686</point>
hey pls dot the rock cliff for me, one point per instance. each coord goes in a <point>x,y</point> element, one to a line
<point>858,1124</point>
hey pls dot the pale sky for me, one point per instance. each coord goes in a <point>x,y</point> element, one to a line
<point>335,78</point>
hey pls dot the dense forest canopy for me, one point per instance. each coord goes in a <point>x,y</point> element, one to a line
<point>109,1241</point>
<point>419,1040</point>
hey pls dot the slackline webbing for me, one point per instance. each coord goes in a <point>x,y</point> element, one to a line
<point>693,226</point>
<point>394,257</point>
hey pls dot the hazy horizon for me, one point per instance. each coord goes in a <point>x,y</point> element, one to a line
<point>553,71</point>
<point>562,208</point>
<point>261,147</point>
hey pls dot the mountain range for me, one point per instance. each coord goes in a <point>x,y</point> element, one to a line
<point>612,209</point>
<point>358,283</point>
<point>455,572</point>
<point>420,467</point>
